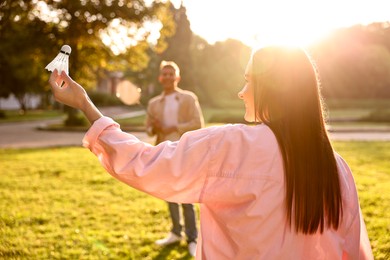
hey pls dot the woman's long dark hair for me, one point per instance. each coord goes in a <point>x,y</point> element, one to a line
<point>287,99</point>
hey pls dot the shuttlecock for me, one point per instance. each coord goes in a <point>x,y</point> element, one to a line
<point>61,61</point>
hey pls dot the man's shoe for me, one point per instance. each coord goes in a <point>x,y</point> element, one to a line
<point>192,248</point>
<point>170,239</point>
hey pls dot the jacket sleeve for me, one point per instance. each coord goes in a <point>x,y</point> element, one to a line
<point>148,124</point>
<point>171,171</point>
<point>357,244</point>
<point>194,116</point>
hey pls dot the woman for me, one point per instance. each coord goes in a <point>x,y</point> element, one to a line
<point>275,190</point>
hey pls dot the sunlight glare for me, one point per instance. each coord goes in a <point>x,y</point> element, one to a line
<point>298,22</point>
<point>120,35</point>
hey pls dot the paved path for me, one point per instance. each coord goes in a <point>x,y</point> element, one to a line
<point>26,135</point>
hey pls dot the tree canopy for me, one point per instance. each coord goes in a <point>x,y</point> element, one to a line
<point>36,30</point>
<point>134,36</point>
<point>355,62</point>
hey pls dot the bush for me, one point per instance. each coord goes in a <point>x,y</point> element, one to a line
<point>226,118</point>
<point>76,120</point>
<point>104,99</point>
<point>377,115</point>
<point>357,103</point>
<point>2,114</point>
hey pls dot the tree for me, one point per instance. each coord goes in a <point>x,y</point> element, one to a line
<point>21,56</point>
<point>219,70</point>
<point>354,62</point>
<point>38,29</point>
<point>179,47</point>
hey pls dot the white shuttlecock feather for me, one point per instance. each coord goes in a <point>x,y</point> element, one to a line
<point>61,61</point>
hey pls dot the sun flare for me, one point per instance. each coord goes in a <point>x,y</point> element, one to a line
<point>258,23</point>
<point>298,22</point>
<point>121,36</point>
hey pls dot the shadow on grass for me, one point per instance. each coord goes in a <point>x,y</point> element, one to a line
<point>166,251</point>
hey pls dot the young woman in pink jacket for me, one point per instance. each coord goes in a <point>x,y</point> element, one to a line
<point>272,190</point>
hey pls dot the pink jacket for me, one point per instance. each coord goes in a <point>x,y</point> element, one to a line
<point>236,174</point>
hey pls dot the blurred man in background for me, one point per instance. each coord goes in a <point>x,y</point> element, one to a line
<point>170,115</point>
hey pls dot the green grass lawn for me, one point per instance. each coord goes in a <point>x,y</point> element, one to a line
<point>59,203</point>
<point>30,115</point>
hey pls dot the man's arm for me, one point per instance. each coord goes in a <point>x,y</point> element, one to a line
<point>194,116</point>
<point>149,121</point>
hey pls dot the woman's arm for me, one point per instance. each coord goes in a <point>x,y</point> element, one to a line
<point>173,171</point>
<point>69,92</point>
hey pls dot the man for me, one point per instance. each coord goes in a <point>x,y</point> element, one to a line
<point>170,115</point>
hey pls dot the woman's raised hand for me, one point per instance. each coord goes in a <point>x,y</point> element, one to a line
<point>67,91</point>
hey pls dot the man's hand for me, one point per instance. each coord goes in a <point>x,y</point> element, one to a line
<point>169,129</point>
<point>158,127</point>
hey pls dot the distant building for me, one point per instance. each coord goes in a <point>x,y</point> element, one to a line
<point>11,103</point>
<point>108,85</point>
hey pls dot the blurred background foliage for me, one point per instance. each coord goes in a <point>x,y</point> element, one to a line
<point>32,32</point>
<point>353,62</point>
